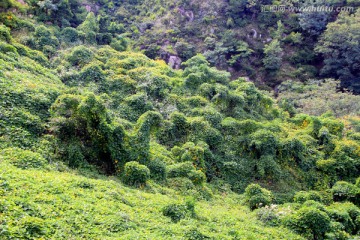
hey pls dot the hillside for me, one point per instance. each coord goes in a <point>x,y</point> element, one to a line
<point>67,205</point>
<point>100,140</point>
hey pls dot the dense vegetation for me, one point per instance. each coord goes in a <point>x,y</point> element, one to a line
<point>101,140</point>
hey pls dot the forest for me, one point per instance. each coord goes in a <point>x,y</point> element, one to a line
<point>179,119</point>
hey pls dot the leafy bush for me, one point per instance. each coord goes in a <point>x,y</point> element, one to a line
<point>92,73</point>
<point>120,44</point>
<point>180,211</point>
<point>5,34</point>
<point>24,159</point>
<point>335,50</point>
<point>184,50</point>
<point>33,227</point>
<point>302,196</point>
<point>90,24</point>
<point>273,59</point>
<point>44,40</point>
<point>195,234</point>
<point>7,48</point>
<point>257,197</point>
<point>157,169</point>
<point>310,222</point>
<point>80,56</point>
<point>186,170</point>
<point>69,35</point>
<point>135,174</point>
<point>346,214</point>
<point>344,191</point>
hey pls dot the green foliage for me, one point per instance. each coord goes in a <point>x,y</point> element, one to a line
<point>177,211</point>
<point>272,60</point>
<point>136,174</point>
<point>80,56</point>
<point>116,28</point>
<point>257,197</point>
<point>92,72</point>
<point>186,170</point>
<point>337,46</point>
<point>344,191</point>
<point>157,169</point>
<point>197,71</point>
<point>302,196</point>
<point>310,222</point>
<point>318,97</point>
<point>45,41</point>
<point>7,48</point>
<point>120,44</point>
<point>311,22</point>
<point>346,214</point>
<point>23,159</point>
<point>184,50</point>
<point>5,34</point>
<point>89,25</point>
<point>69,35</point>
<point>82,125</point>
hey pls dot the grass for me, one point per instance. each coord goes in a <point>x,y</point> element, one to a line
<point>48,204</point>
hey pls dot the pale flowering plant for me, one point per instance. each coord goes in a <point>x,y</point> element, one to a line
<point>272,214</point>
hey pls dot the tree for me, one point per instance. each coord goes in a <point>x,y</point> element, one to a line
<point>90,24</point>
<point>341,50</point>
<point>310,222</point>
<point>313,22</point>
<point>273,59</point>
<point>279,31</point>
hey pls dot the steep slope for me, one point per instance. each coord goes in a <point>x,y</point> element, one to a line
<point>71,100</point>
<point>48,204</point>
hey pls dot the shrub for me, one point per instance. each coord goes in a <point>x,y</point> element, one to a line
<point>180,184</point>
<point>7,48</point>
<point>344,191</point>
<point>346,214</point>
<point>103,38</point>
<point>92,73</point>
<point>90,24</point>
<point>69,34</point>
<point>310,222</point>
<point>314,204</point>
<point>180,170</point>
<point>257,197</point>
<point>33,227</point>
<point>90,37</point>
<point>44,39</point>
<point>5,34</point>
<point>302,196</point>
<point>135,174</point>
<point>157,169</point>
<point>186,170</point>
<point>269,215</point>
<point>178,211</point>
<point>337,232</point>
<point>116,28</point>
<point>197,177</point>
<point>357,184</point>
<point>272,60</point>
<point>120,44</point>
<point>24,159</point>
<point>80,56</point>
<point>185,50</point>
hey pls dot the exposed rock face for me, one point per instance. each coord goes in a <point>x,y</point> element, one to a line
<point>174,62</point>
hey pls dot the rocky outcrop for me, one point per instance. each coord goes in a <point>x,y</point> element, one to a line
<point>174,62</point>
